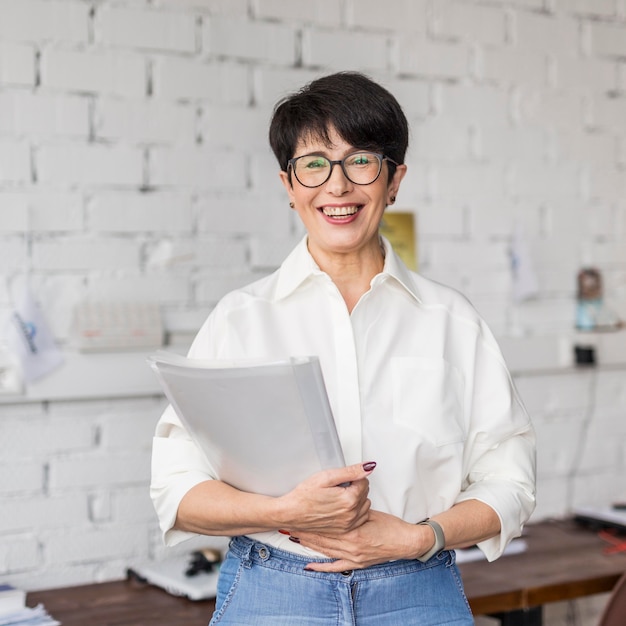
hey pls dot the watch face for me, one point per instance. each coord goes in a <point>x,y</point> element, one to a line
<point>589,284</point>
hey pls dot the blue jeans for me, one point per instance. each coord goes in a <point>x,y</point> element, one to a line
<point>263,586</point>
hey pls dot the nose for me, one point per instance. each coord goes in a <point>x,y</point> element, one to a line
<point>337,183</point>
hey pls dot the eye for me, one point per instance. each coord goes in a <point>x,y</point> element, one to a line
<point>361,159</point>
<point>313,163</point>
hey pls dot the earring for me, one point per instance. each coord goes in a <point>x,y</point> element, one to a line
<point>392,199</point>
<point>292,205</point>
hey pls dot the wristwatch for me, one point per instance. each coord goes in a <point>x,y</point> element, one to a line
<point>440,540</point>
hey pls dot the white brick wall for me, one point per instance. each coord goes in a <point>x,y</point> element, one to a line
<point>134,166</point>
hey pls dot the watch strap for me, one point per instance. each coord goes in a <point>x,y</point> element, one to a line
<point>440,540</point>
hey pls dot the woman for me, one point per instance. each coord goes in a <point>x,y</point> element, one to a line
<point>440,451</point>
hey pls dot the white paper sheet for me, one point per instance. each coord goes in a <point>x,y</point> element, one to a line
<point>263,427</point>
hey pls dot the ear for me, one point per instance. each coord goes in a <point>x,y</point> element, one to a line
<point>284,177</point>
<point>394,184</point>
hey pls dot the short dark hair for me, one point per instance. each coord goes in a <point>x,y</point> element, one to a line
<point>363,112</point>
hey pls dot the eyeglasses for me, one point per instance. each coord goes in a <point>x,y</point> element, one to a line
<point>360,168</point>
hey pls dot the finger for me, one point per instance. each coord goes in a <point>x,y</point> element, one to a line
<point>340,565</point>
<point>343,475</point>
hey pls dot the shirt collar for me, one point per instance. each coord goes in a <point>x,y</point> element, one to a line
<point>299,266</point>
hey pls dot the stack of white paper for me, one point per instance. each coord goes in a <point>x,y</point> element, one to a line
<point>263,427</point>
<point>28,617</point>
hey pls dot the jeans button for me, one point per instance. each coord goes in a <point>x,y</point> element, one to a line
<point>263,553</point>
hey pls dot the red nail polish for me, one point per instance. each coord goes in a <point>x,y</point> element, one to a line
<point>294,539</point>
<point>284,532</point>
<point>368,467</point>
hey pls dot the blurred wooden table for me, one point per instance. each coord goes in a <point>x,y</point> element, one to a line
<point>563,562</point>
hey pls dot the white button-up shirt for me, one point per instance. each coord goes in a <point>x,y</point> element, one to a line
<point>416,383</point>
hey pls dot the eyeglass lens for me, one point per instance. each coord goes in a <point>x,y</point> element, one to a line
<point>362,168</point>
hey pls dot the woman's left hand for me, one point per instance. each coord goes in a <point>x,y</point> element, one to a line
<point>381,538</point>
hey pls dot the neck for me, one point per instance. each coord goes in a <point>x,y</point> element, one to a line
<point>352,272</point>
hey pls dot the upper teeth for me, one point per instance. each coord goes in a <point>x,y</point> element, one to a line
<point>335,211</point>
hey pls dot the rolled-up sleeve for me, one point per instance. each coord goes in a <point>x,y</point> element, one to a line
<point>500,462</point>
<point>178,464</point>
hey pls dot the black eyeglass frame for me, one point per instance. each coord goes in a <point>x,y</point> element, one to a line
<point>379,156</point>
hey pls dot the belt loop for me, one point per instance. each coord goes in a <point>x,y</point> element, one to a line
<point>246,561</point>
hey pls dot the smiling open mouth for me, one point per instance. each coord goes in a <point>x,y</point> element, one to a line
<point>340,211</point>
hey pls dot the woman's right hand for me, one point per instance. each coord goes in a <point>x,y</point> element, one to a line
<point>321,504</point>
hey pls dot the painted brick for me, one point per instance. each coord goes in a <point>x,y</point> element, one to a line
<point>558,459</point>
<point>191,79</point>
<point>476,254</point>
<point>608,40</point>
<point>586,147</point>
<point>259,41</point>
<point>445,220</point>
<point>146,29</point>
<point>85,254</point>
<point>600,8</point>
<point>341,50</point>
<point>15,166</point>
<point>478,24</point>
<point>19,553</point>
<point>536,178</point>
<point>145,121</point>
<point>203,252</point>
<point>609,114</point>
<point>500,143</point>
<point>197,167</point>
<point>481,105</point>
<point>419,57</point>
<point>213,286</point>
<point>133,505</point>
<point>56,21</point>
<point>90,164</point>
<point>270,84</point>
<point>26,437</point>
<point>401,15</point>
<point>414,96</point>
<point>323,12</point>
<point>222,126</point>
<point>267,253</point>
<point>586,76</point>
<point>17,64</point>
<point>140,287</point>
<point>468,179</point>
<point>441,140</point>
<point>40,211</point>
<point>245,213</point>
<point>546,33</point>
<point>606,182</point>
<point>491,216</point>
<point>136,213</point>
<point>67,546</point>
<point>57,511</point>
<point>212,7</point>
<point>548,109</point>
<point>507,66</point>
<point>45,115</point>
<point>99,72</point>
<point>21,477</point>
<point>80,471</point>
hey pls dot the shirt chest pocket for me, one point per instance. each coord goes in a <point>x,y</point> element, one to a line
<point>428,399</point>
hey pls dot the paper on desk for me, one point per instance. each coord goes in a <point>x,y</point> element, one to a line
<point>465,555</point>
<point>263,427</point>
<point>29,617</point>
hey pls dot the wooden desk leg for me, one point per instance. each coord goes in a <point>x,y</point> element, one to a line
<point>521,617</point>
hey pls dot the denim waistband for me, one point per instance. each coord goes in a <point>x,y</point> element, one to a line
<point>250,552</point>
